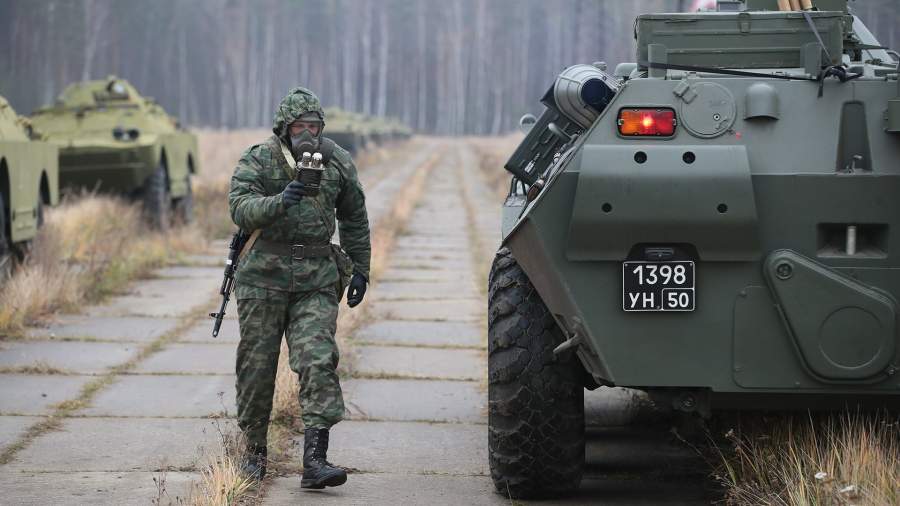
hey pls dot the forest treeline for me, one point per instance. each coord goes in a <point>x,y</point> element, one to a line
<point>442,66</point>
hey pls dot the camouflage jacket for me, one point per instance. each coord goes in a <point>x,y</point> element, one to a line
<point>255,203</point>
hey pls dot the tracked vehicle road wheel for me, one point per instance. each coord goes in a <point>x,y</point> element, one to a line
<point>156,200</point>
<point>536,399</point>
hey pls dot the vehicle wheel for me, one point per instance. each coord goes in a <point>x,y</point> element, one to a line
<point>536,398</point>
<point>156,200</point>
<point>6,253</point>
<point>23,249</point>
<point>184,206</point>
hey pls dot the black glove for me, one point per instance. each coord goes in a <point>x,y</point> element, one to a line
<point>357,289</point>
<point>292,194</point>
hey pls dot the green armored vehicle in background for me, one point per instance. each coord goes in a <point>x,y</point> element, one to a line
<point>716,224</point>
<point>347,129</point>
<point>113,140</point>
<point>354,131</point>
<point>29,180</point>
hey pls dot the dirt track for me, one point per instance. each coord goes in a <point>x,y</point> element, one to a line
<point>416,428</point>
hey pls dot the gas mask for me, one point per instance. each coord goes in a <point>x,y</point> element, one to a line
<point>306,142</point>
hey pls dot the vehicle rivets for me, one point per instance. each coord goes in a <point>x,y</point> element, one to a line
<point>743,293</point>
<point>784,271</point>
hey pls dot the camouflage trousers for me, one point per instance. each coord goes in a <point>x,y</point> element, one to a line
<point>308,321</point>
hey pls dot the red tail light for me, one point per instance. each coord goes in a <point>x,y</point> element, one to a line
<point>647,122</point>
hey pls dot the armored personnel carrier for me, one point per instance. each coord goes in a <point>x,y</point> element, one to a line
<point>353,131</point>
<point>29,180</point>
<point>347,129</point>
<point>716,224</point>
<point>111,139</point>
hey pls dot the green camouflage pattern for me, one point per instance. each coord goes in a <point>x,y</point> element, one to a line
<point>298,102</point>
<point>255,202</point>
<point>308,321</point>
<point>279,295</point>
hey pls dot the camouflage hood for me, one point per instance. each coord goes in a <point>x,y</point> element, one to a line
<point>298,102</point>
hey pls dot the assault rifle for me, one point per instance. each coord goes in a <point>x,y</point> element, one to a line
<point>238,240</point>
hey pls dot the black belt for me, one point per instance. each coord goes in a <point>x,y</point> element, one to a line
<point>295,251</point>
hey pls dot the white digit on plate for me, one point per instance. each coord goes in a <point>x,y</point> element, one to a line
<point>639,270</point>
<point>666,272</point>
<point>680,274</point>
<point>652,279</point>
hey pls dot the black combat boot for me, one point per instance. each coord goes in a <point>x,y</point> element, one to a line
<point>253,462</point>
<point>317,472</point>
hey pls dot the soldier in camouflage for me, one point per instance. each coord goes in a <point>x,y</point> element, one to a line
<point>292,279</point>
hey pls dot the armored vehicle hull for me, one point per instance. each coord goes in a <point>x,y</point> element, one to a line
<point>113,140</point>
<point>29,180</point>
<point>719,240</point>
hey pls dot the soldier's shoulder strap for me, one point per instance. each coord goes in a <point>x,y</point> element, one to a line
<point>249,244</point>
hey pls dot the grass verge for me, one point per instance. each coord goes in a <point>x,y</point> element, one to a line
<point>89,248</point>
<point>833,459</point>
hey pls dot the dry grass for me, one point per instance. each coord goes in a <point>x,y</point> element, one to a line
<point>221,482</point>
<point>220,151</point>
<point>90,247</point>
<point>820,460</point>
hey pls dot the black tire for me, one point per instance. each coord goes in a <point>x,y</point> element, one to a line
<point>6,252</point>
<point>23,249</point>
<point>536,398</point>
<point>184,206</point>
<point>156,200</point>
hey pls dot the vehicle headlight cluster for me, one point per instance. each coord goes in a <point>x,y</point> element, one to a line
<point>121,134</point>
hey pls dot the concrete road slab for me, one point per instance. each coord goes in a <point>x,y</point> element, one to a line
<point>410,447</point>
<point>206,260</point>
<point>614,407</point>
<point>191,358</point>
<point>75,357</point>
<point>445,401</point>
<point>435,244</point>
<point>422,333</point>
<point>459,263</point>
<point>35,394</point>
<point>166,396</point>
<point>121,444</point>
<point>465,310</point>
<point>429,290</point>
<point>112,329</point>
<point>159,298</point>
<point>410,255</point>
<point>65,489</point>
<point>367,489</point>
<point>202,332</point>
<point>424,363</point>
<point>638,450</point>
<point>13,427</point>
<point>212,274</point>
<point>446,275</point>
